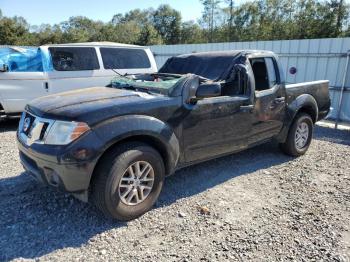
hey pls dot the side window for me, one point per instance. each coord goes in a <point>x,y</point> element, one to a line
<point>74,58</point>
<point>264,73</point>
<point>271,72</point>
<point>124,58</point>
<point>236,85</point>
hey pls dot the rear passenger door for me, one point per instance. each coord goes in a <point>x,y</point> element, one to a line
<point>269,99</point>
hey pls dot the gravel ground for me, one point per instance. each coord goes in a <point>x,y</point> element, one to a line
<point>258,205</point>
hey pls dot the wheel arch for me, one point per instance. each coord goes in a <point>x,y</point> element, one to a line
<point>149,140</point>
<point>302,104</point>
<point>143,129</point>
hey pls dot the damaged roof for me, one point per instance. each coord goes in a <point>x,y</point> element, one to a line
<point>214,65</point>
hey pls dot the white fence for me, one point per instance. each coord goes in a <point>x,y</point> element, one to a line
<point>314,59</point>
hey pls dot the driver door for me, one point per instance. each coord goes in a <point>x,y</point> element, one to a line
<point>216,126</point>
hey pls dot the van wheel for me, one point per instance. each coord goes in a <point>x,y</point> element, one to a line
<point>128,181</point>
<point>299,136</point>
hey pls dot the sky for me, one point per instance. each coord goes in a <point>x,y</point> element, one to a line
<point>37,12</point>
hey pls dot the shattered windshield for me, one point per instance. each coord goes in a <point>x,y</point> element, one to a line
<point>19,59</point>
<point>152,83</point>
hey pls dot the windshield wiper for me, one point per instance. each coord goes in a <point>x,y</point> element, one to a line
<point>119,74</point>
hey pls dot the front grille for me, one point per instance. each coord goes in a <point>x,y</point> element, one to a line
<point>43,131</point>
<point>27,127</point>
<point>32,129</point>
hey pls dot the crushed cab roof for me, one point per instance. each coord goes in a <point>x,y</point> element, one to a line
<point>214,65</point>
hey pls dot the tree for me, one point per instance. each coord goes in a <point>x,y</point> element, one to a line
<point>167,21</point>
<point>149,36</point>
<point>231,31</point>
<point>14,31</point>
<point>46,34</point>
<point>141,17</point>
<point>210,16</point>
<point>341,14</point>
<point>143,32</point>
<point>191,33</point>
<point>81,29</point>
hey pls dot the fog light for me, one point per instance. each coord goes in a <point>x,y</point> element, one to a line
<point>52,177</point>
<point>54,180</point>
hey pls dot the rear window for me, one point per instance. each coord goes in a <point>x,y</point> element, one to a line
<point>123,58</point>
<point>74,58</point>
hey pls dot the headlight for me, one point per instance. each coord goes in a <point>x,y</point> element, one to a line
<point>62,133</point>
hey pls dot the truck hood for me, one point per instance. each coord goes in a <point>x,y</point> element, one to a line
<point>82,103</point>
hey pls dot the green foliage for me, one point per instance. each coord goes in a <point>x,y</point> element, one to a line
<point>211,17</point>
<point>221,21</point>
<point>14,31</point>
<point>167,21</point>
<point>192,33</point>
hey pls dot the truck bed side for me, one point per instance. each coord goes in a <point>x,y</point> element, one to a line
<point>319,90</point>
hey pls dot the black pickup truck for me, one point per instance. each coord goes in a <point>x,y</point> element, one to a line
<point>114,145</point>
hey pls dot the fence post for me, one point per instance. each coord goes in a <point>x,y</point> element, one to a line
<point>342,89</point>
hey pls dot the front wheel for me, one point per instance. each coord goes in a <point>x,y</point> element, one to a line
<point>299,136</point>
<point>128,181</point>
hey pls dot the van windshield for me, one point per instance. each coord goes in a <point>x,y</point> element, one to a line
<point>19,59</point>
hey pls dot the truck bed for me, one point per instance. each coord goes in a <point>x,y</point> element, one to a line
<point>318,89</point>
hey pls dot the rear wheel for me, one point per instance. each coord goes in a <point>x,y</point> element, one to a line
<point>299,136</point>
<point>128,181</point>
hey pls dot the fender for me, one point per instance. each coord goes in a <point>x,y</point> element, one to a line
<point>120,128</point>
<point>303,102</point>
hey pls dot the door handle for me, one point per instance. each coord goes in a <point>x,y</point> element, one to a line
<point>46,86</point>
<point>247,108</point>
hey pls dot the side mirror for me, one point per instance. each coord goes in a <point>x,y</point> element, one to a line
<point>194,92</point>
<point>208,90</point>
<point>191,89</point>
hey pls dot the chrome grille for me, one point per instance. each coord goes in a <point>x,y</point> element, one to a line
<point>33,129</point>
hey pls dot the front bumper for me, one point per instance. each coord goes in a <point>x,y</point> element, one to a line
<point>56,165</point>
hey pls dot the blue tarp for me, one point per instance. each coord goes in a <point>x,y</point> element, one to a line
<point>28,59</point>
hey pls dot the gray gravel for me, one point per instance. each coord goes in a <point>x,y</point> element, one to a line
<point>258,205</point>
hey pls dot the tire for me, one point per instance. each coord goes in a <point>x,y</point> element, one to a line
<point>291,146</point>
<point>113,178</point>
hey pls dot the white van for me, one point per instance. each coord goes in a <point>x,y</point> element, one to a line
<point>28,73</point>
